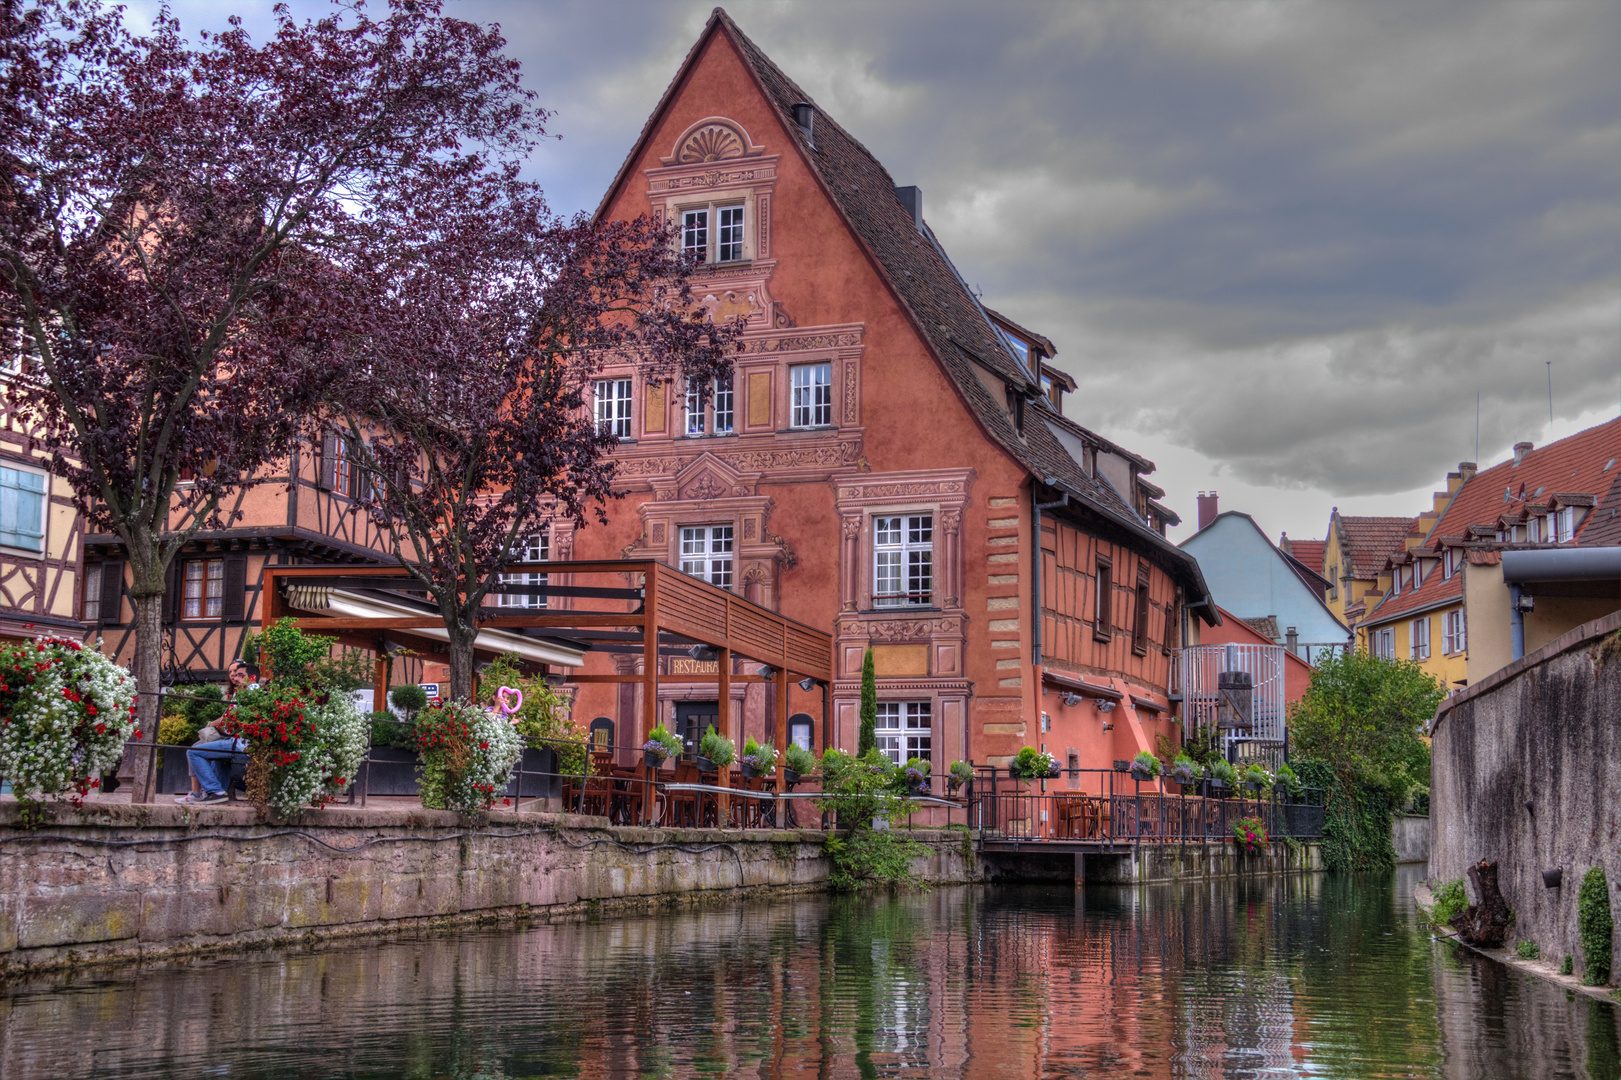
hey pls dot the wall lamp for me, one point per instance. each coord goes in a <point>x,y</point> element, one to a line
<point>766,671</point>
<point>807,684</point>
<point>1071,700</point>
<point>1106,706</point>
<point>704,653</point>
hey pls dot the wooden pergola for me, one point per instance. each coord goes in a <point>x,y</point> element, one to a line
<point>658,610</point>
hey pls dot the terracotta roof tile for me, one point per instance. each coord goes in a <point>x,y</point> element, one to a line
<point>1484,558</point>
<point>1368,541</point>
<point>1265,625</point>
<point>1309,552</point>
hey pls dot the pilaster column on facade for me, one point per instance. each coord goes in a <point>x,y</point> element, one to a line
<point>849,560</point>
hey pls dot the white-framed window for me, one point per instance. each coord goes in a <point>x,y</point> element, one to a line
<point>695,234</point>
<point>721,406</point>
<point>729,239</point>
<point>1418,639</point>
<point>534,549</point>
<point>613,407</point>
<point>1567,524</point>
<point>903,560</point>
<point>90,606</point>
<point>1533,530</point>
<point>22,508</point>
<point>706,553</point>
<point>1449,564</point>
<point>812,395</point>
<point>1382,642</point>
<point>1395,580</point>
<point>1454,634</point>
<point>203,594</point>
<point>905,730</point>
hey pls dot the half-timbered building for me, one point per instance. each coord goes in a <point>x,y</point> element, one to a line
<point>890,458</point>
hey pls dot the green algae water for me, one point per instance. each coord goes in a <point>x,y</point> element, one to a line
<point>1310,976</point>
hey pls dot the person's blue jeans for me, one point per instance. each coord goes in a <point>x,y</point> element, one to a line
<point>211,763</point>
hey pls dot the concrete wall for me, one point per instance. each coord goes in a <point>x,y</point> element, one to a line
<point>1486,601</point>
<point>1411,836</point>
<point>1527,764</point>
<point>125,882</point>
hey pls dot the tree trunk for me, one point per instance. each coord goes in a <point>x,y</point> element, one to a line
<point>149,706</point>
<point>1484,923</point>
<point>461,660</point>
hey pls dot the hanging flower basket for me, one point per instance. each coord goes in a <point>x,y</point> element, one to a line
<point>65,713</point>
<point>1250,835</point>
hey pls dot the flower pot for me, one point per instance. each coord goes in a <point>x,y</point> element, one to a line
<point>1141,774</point>
<point>705,765</point>
<point>1121,765</point>
<point>652,760</point>
<point>790,775</point>
<point>750,771</point>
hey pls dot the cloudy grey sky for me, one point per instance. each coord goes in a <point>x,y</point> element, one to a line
<point>1281,246</point>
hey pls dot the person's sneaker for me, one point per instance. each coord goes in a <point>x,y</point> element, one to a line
<point>212,797</point>
<point>188,797</point>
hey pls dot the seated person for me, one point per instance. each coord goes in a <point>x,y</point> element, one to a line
<point>209,760</point>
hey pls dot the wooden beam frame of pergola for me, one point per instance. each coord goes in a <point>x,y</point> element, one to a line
<point>666,607</point>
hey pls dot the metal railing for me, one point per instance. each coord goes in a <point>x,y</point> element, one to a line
<point>1114,809</point>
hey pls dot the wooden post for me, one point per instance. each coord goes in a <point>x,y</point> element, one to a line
<point>723,807</point>
<point>379,684</point>
<point>650,680</point>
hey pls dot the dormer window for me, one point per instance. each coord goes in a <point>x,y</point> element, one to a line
<point>1395,581</point>
<point>1567,524</point>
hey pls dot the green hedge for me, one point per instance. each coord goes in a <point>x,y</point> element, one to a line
<point>1357,821</point>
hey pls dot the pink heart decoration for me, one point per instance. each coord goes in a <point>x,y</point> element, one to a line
<point>502,702</point>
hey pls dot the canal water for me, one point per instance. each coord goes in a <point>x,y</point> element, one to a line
<point>1290,977</point>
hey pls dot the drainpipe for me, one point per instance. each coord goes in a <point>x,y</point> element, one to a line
<point>1035,566</point>
<point>1516,623</point>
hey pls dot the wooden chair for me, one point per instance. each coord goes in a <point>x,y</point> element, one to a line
<point>681,807</point>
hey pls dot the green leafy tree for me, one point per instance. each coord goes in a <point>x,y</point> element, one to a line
<point>1364,715</point>
<point>869,707</point>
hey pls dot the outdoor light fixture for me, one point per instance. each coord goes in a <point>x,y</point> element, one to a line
<point>807,684</point>
<point>1070,699</point>
<point>766,671</point>
<point>1106,706</point>
<point>1553,879</point>
<point>704,653</point>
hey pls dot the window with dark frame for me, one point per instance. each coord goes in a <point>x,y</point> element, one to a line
<point>1139,630</point>
<point>1103,608</point>
<point>203,595</point>
<point>90,605</point>
<point>903,560</point>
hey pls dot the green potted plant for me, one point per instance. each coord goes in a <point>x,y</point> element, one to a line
<point>1223,777</point>
<point>1145,766</point>
<point>1186,771</point>
<point>661,744</point>
<point>1289,783</point>
<point>758,758</point>
<point>1032,764</point>
<point>915,775</point>
<point>797,762</point>
<point>715,751</point>
<point>1250,835</point>
<point>958,774</point>
<point>1256,778</point>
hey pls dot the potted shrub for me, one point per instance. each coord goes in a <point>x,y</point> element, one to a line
<point>1256,778</point>
<point>758,758</point>
<point>959,773</point>
<point>1145,766</point>
<point>715,751</point>
<point>1222,778</point>
<point>1032,764</point>
<point>661,744</point>
<point>467,756</point>
<point>1186,771</point>
<point>1289,783</point>
<point>797,762</point>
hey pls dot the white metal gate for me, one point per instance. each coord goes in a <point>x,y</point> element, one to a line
<point>1199,667</point>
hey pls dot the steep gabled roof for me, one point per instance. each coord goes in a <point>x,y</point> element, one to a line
<point>950,320</point>
<point>1366,542</point>
<point>1308,552</point>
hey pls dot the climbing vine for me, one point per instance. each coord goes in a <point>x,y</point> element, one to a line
<point>1595,926</point>
<point>1357,818</point>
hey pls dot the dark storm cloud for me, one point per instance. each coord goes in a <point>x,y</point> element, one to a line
<point>1292,239</point>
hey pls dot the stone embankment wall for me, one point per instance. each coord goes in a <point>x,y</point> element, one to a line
<point>1151,864</point>
<point>1527,773</point>
<point>125,882</point>
<point>1410,834</point>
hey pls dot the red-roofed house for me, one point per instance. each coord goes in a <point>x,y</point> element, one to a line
<point>1515,556</point>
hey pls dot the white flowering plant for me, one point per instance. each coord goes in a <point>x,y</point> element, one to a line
<point>467,755</point>
<point>65,714</point>
<point>303,745</point>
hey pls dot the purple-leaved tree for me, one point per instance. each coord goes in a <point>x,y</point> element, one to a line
<point>194,237</point>
<point>472,416</point>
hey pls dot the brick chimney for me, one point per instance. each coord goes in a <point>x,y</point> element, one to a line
<point>1207,509</point>
<point>1520,450</point>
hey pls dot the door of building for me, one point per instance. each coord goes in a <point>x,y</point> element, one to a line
<point>692,719</point>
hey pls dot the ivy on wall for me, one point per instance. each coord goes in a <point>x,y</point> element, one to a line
<point>1357,820</point>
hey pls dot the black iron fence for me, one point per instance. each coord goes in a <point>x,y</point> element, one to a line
<point>1113,808</point>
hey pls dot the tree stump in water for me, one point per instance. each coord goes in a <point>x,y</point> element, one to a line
<point>1485,922</point>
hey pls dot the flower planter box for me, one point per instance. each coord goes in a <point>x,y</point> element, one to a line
<point>535,786</point>
<point>750,772</point>
<point>652,760</point>
<point>705,765</point>
<point>1141,775</point>
<point>790,776</point>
